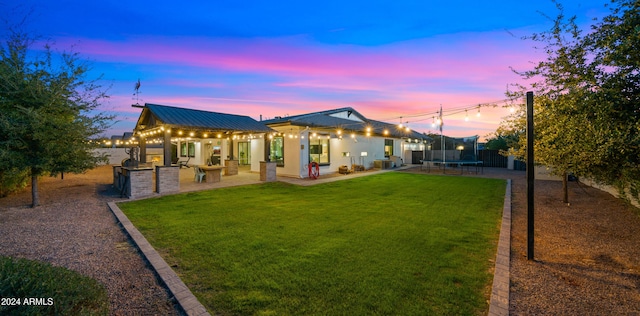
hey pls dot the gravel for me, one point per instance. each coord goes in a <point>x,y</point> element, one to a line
<point>587,254</point>
<point>73,228</point>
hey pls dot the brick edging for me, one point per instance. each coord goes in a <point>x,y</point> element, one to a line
<point>187,301</point>
<point>499,304</point>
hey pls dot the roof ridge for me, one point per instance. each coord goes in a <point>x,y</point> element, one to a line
<point>194,110</point>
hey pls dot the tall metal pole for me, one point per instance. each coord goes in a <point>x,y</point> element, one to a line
<point>530,177</point>
<point>443,143</point>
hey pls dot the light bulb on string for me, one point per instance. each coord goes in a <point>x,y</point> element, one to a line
<point>466,116</point>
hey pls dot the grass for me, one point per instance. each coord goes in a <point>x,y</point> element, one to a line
<point>58,291</point>
<point>391,243</point>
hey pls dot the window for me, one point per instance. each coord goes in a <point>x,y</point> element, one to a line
<point>388,147</point>
<point>319,149</point>
<point>277,150</point>
<point>187,149</point>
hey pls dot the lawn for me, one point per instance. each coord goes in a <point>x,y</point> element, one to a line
<point>30,287</point>
<point>392,243</point>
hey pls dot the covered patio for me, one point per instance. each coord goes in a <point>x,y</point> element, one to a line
<point>195,141</point>
<point>194,137</point>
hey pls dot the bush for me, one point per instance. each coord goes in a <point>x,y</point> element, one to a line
<point>36,288</point>
<point>12,180</point>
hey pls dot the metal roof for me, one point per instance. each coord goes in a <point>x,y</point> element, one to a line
<point>198,119</point>
<point>323,119</point>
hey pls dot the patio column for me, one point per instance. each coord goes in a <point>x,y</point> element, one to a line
<point>143,149</point>
<point>267,148</point>
<point>167,148</point>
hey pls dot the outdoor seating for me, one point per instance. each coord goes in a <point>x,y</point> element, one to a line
<point>199,174</point>
<point>184,163</point>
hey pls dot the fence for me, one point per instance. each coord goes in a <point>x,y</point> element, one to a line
<point>492,158</point>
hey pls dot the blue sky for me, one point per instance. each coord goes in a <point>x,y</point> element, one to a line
<point>396,61</point>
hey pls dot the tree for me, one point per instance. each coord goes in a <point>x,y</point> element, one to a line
<point>586,104</point>
<point>48,111</point>
<point>615,43</point>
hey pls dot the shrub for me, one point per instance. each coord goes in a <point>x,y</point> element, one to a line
<point>12,180</point>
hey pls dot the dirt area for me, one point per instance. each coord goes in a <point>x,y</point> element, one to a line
<point>74,228</point>
<point>587,255</point>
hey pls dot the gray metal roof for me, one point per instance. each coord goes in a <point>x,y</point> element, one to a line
<point>323,119</point>
<point>198,119</point>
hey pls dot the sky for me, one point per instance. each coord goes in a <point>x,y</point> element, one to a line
<point>395,61</point>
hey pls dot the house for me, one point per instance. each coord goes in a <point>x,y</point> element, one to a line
<point>333,138</point>
<point>339,137</point>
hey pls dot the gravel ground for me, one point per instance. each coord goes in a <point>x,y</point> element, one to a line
<point>74,228</point>
<point>587,254</point>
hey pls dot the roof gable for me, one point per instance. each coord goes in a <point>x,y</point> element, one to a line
<point>349,114</point>
<point>346,119</point>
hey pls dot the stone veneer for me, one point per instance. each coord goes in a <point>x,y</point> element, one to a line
<point>231,167</point>
<point>139,182</point>
<point>267,171</point>
<point>167,179</point>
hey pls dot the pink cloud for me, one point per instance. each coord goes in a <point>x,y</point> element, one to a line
<point>383,82</point>
<point>294,57</point>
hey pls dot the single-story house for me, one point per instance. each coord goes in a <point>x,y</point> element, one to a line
<point>333,138</point>
<point>339,137</point>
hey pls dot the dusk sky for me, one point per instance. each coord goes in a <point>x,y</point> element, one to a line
<point>386,59</point>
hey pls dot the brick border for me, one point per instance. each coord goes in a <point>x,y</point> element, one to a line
<point>499,304</point>
<point>187,301</point>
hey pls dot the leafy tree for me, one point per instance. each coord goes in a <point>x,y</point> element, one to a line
<point>586,100</point>
<point>615,43</point>
<point>503,141</point>
<point>47,111</point>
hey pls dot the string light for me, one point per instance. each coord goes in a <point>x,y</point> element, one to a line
<point>466,116</point>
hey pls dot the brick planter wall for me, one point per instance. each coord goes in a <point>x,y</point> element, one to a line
<point>267,171</point>
<point>167,179</point>
<point>139,182</point>
<point>232,167</point>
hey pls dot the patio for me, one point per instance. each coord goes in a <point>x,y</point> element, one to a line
<point>244,177</point>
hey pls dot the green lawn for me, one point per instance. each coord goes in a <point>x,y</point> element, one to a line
<point>392,243</point>
<point>30,287</point>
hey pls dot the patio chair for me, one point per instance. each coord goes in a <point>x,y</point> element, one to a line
<point>184,163</point>
<point>199,174</point>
